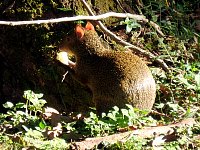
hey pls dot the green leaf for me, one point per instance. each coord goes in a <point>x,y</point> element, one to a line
<point>116,109</point>
<point>93,115</point>
<point>185,81</point>
<point>130,24</point>
<point>31,107</point>
<point>28,94</point>
<point>125,112</point>
<point>197,79</point>
<point>112,116</point>
<point>65,9</point>
<point>20,105</point>
<point>134,24</point>
<point>42,102</point>
<point>126,21</point>
<point>8,105</point>
<point>130,107</point>
<point>173,106</point>
<point>154,18</point>
<point>42,124</point>
<point>159,106</point>
<point>19,112</point>
<point>39,95</point>
<point>128,28</point>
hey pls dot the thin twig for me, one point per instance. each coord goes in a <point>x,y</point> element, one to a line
<point>9,7</point>
<point>124,43</point>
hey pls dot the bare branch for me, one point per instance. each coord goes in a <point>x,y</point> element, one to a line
<point>93,17</point>
<point>65,19</point>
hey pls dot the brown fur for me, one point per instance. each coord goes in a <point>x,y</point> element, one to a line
<point>114,77</point>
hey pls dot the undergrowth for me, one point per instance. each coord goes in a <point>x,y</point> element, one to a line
<point>28,125</point>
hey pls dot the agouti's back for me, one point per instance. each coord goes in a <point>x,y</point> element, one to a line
<point>114,77</point>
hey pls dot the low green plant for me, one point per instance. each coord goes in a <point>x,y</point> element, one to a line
<point>134,143</point>
<point>21,113</point>
<point>182,94</point>
<point>130,24</point>
<point>22,127</point>
<point>34,102</point>
<point>111,122</point>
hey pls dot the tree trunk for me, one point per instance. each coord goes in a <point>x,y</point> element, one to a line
<point>27,52</point>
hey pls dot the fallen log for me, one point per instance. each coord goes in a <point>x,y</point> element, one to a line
<point>146,132</point>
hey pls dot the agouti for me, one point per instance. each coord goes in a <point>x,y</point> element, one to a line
<point>115,78</point>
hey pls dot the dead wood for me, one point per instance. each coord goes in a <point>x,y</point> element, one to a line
<point>146,132</point>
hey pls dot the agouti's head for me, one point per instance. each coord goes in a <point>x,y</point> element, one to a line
<point>84,41</point>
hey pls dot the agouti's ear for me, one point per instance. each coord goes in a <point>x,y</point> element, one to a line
<point>89,26</point>
<point>79,31</point>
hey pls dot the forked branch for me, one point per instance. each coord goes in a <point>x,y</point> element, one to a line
<point>124,43</point>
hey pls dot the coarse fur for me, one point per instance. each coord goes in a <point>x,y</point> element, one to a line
<point>115,78</point>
